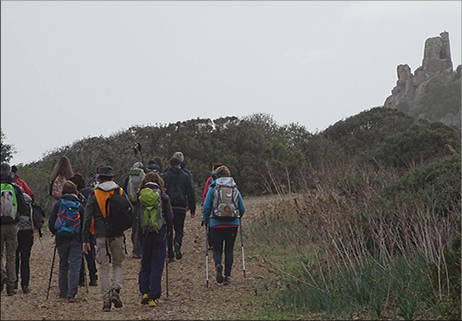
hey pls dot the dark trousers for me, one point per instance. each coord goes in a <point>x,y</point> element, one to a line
<point>136,239</point>
<point>90,258</point>
<point>25,242</point>
<point>152,264</point>
<point>227,236</point>
<point>179,215</point>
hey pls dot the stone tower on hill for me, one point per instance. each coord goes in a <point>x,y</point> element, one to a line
<point>437,69</point>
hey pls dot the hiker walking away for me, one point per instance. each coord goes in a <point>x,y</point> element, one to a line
<point>62,172</point>
<point>180,156</point>
<point>153,167</point>
<point>160,163</point>
<point>13,205</point>
<point>110,250</point>
<point>20,182</point>
<point>65,223</point>
<point>156,218</point>
<point>181,192</point>
<point>204,194</point>
<point>223,210</point>
<point>131,184</point>
<point>84,193</point>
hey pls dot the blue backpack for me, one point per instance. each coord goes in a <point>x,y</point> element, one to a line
<point>67,223</point>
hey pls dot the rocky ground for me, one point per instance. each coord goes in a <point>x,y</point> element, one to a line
<point>188,299</point>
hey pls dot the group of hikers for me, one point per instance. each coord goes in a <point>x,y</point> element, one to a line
<point>89,221</point>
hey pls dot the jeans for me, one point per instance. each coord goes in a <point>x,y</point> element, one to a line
<point>25,242</point>
<point>70,258</point>
<point>116,250</point>
<point>227,236</point>
<point>152,264</point>
<point>179,216</point>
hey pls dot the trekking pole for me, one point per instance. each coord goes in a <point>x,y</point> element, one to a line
<point>242,247</point>
<point>51,271</point>
<point>166,267</point>
<point>206,257</point>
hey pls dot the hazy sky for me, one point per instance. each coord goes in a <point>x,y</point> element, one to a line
<point>77,69</point>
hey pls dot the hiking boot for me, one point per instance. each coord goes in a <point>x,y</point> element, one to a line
<point>93,282</point>
<point>152,303</point>
<point>10,289</point>
<point>25,289</point>
<point>227,280</point>
<point>171,260</point>
<point>115,298</point>
<point>107,306</point>
<point>178,253</point>
<point>219,269</point>
<point>4,281</point>
<point>145,299</point>
<point>71,300</point>
<point>63,296</point>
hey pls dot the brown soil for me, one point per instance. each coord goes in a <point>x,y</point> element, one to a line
<point>189,298</point>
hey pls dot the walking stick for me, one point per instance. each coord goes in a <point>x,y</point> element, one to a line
<point>206,257</point>
<point>51,271</point>
<point>242,247</point>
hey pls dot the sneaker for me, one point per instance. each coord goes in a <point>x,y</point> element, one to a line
<point>25,289</point>
<point>71,300</point>
<point>63,296</point>
<point>152,303</point>
<point>93,282</point>
<point>145,299</point>
<point>227,280</point>
<point>107,306</point>
<point>16,285</point>
<point>178,253</point>
<point>219,269</point>
<point>10,289</point>
<point>115,298</point>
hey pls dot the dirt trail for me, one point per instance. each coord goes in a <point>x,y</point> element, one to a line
<point>189,299</point>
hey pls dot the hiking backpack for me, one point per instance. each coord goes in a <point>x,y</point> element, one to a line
<point>151,217</point>
<point>9,203</point>
<point>25,222</point>
<point>135,177</point>
<point>68,222</point>
<point>225,199</point>
<point>119,214</point>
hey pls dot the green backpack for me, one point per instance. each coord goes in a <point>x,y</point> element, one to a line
<point>151,217</point>
<point>9,203</point>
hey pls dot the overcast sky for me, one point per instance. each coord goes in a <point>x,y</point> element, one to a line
<point>77,69</point>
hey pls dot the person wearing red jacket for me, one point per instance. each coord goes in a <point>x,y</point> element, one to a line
<point>20,182</point>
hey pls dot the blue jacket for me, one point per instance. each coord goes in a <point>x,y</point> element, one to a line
<point>208,207</point>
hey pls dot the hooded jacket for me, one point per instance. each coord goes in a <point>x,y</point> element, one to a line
<point>93,211</point>
<point>208,206</point>
<point>23,184</point>
<point>23,209</point>
<point>54,216</point>
<point>175,179</point>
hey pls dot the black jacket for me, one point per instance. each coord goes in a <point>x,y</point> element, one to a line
<point>180,189</point>
<point>23,209</point>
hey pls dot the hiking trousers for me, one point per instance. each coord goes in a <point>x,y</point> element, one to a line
<point>152,264</point>
<point>226,235</point>
<point>9,241</point>
<point>25,242</point>
<point>116,250</point>
<point>70,259</point>
<point>179,216</point>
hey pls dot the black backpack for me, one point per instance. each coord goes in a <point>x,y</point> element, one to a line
<point>120,214</point>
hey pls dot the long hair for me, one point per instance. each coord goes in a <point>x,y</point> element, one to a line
<point>152,177</point>
<point>159,162</point>
<point>78,180</point>
<point>63,168</point>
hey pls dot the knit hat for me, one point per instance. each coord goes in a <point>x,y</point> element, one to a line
<point>179,155</point>
<point>153,168</point>
<point>5,169</point>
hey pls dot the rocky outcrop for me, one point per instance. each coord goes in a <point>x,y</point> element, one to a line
<point>436,66</point>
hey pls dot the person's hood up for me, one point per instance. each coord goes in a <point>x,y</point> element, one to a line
<point>107,186</point>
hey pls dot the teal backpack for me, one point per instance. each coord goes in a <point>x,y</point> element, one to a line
<point>151,217</point>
